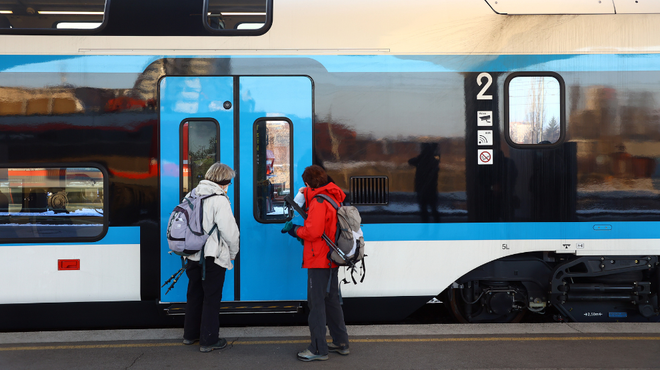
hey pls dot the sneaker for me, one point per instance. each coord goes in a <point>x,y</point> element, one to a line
<point>189,342</point>
<point>307,355</point>
<point>222,343</point>
<point>342,350</point>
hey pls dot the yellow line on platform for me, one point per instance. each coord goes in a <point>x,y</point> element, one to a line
<point>91,346</point>
<point>483,339</point>
<point>353,340</point>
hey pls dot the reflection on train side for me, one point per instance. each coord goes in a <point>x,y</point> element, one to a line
<point>51,202</point>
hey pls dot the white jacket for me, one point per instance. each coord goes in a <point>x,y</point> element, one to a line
<point>217,210</point>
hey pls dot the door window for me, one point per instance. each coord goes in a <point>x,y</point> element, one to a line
<point>272,167</point>
<point>200,150</point>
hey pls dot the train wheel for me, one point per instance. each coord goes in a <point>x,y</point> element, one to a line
<point>479,314</point>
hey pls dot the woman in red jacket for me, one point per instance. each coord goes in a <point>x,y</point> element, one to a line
<point>322,281</point>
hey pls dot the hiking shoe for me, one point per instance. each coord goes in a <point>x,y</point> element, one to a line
<point>342,350</point>
<point>222,343</point>
<point>189,342</point>
<point>307,355</point>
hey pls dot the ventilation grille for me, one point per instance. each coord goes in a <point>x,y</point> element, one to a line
<point>370,190</point>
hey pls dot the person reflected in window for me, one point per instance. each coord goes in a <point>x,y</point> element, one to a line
<point>427,165</point>
<point>216,22</point>
<point>505,199</point>
<point>545,184</point>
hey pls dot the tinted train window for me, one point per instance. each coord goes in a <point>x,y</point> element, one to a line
<point>272,169</point>
<point>53,203</point>
<point>534,110</point>
<point>200,151</point>
<point>237,15</point>
<point>45,14</point>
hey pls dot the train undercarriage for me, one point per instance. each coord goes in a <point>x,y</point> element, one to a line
<point>571,288</point>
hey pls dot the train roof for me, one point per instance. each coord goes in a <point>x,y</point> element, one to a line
<point>345,27</point>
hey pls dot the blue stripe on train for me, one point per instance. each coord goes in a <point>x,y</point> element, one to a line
<point>356,63</point>
<point>455,231</point>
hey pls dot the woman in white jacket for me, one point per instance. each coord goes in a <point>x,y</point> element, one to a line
<point>204,296</point>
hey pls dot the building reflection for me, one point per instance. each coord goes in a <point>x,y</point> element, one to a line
<point>617,133</point>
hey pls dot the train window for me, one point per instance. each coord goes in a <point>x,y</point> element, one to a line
<point>51,203</point>
<point>272,169</point>
<point>200,140</point>
<point>45,14</point>
<point>247,16</point>
<point>534,109</point>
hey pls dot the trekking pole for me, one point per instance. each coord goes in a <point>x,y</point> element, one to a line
<point>179,273</point>
<point>303,214</point>
<point>171,277</point>
<point>341,254</point>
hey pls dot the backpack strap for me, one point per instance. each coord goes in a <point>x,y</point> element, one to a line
<point>201,212</point>
<point>334,205</point>
<point>330,200</point>
<point>331,244</point>
<point>202,257</point>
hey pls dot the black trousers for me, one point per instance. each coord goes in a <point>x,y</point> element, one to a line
<point>324,308</point>
<point>203,307</point>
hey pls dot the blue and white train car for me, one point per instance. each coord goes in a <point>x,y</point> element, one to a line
<point>505,156</point>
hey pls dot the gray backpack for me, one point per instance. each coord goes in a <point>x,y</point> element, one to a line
<point>349,240</point>
<point>185,234</point>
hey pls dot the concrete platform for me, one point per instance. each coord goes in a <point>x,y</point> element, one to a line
<point>353,330</point>
<point>438,346</point>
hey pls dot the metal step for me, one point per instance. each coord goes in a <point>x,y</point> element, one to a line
<point>244,308</point>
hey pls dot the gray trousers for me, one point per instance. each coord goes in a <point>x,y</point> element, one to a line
<point>324,308</point>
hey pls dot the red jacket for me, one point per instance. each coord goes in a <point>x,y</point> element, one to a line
<point>321,216</point>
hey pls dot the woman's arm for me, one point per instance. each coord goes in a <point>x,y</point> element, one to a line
<point>315,222</point>
<point>226,222</point>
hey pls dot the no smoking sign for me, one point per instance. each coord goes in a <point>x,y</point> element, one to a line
<point>485,156</point>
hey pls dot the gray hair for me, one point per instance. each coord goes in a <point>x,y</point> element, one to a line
<point>219,172</point>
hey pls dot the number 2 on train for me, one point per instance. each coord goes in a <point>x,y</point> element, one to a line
<point>489,80</point>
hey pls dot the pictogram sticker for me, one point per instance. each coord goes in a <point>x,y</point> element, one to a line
<point>484,118</point>
<point>484,137</point>
<point>485,156</point>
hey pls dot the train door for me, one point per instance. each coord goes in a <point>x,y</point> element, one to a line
<point>262,128</point>
<point>521,170</point>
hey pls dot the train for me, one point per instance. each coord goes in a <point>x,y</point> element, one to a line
<point>504,155</point>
